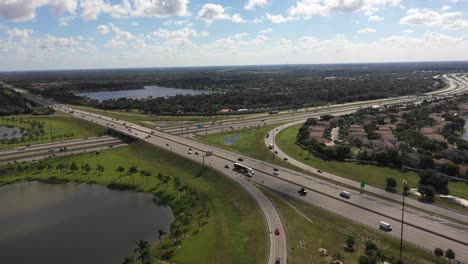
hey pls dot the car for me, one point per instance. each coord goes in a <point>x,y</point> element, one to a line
<point>226,166</point>
<point>267,135</point>
<point>277,231</point>
<point>196,153</point>
<point>167,145</point>
<point>249,174</point>
<point>240,159</point>
<point>278,260</point>
<point>275,173</point>
<point>285,158</point>
<point>275,169</point>
<point>345,194</point>
<point>319,171</point>
<point>190,152</point>
<point>302,192</point>
<point>276,152</point>
<point>189,148</point>
<point>385,226</point>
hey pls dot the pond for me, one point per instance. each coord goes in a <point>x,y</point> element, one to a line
<point>232,139</point>
<point>75,223</point>
<point>7,133</point>
<point>154,91</point>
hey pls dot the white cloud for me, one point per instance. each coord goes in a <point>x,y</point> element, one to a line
<point>160,8</point>
<point>179,37</point>
<point>308,8</point>
<point>265,31</point>
<point>23,10</point>
<point>453,1</point>
<point>278,19</point>
<point>103,29</point>
<point>427,17</point>
<point>446,8</point>
<point>366,30</point>
<point>211,12</point>
<point>135,24</point>
<point>53,43</point>
<point>254,3</point>
<point>375,19</point>
<point>407,31</point>
<point>20,34</point>
<point>120,39</point>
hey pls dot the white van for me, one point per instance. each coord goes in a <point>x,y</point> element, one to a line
<point>385,226</point>
<point>270,146</point>
<point>345,194</point>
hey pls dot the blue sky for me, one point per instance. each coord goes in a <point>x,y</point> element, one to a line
<point>75,34</point>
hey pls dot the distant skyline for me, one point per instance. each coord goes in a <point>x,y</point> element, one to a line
<point>90,34</point>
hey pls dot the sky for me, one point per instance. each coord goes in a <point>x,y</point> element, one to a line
<point>89,34</point>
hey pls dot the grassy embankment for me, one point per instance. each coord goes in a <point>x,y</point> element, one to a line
<point>373,175</point>
<point>63,126</point>
<point>228,229</point>
<point>310,228</point>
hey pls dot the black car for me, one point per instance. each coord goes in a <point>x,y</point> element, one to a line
<point>285,158</point>
<point>276,152</point>
<point>240,159</point>
<point>278,261</point>
<point>319,171</point>
<point>275,169</point>
<point>226,166</point>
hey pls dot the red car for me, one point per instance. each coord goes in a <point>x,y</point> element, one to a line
<point>277,232</point>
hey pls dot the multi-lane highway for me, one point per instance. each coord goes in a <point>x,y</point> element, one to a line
<point>57,149</point>
<point>422,229</point>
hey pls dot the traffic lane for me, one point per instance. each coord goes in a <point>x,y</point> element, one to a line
<point>379,206</point>
<point>447,213</point>
<point>33,146</point>
<point>278,243</point>
<point>60,154</point>
<point>57,146</point>
<point>54,151</point>
<point>411,234</point>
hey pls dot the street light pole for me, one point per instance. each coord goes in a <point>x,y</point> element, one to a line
<point>273,140</point>
<point>402,216</point>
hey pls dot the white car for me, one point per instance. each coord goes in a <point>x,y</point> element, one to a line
<point>190,152</point>
<point>275,173</point>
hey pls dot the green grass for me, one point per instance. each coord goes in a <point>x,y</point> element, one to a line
<point>251,143</point>
<point>235,231</point>
<point>328,230</point>
<point>64,127</point>
<point>373,175</point>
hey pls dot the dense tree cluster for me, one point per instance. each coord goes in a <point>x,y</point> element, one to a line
<point>266,87</point>
<point>12,103</point>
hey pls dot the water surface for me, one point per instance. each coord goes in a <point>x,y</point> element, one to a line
<point>154,91</point>
<point>10,132</point>
<point>75,223</point>
<point>232,139</point>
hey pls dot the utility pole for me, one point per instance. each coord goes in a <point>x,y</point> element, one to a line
<point>402,217</point>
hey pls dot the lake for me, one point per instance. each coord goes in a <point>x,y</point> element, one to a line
<point>75,223</point>
<point>154,91</point>
<point>9,132</point>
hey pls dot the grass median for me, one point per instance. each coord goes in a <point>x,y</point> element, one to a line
<point>310,228</point>
<point>57,126</point>
<point>228,228</point>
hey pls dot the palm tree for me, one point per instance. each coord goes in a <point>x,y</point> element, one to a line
<point>61,167</point>
<point>166,180</point>
<point>142,174</point>
<point>120,169</point>
<point>49,168</point>
<point>87,168</point>
<point>129,260</point>
<point>132,170</point>
<point>177,184</point>
<point>74,168</point>
<point>143,251</point>
<point>160,177</point>
<point>161,233</point>
<point>100,168</point>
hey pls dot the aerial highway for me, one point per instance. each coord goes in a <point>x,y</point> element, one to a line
<point>57,149</point>
<point>457,84</point>
<point>421,229</point>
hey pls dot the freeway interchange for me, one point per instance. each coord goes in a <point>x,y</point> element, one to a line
<point>425,229</point>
